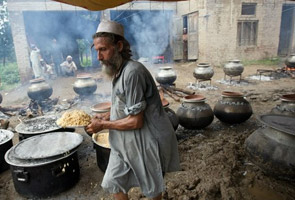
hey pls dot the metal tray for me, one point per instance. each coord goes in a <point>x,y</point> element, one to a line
<point>46,124</point>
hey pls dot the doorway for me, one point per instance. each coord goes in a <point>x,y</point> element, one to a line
<point>287,31</point>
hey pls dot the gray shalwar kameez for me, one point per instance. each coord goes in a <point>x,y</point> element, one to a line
<point>139,157</point>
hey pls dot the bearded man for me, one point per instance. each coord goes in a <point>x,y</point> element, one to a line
<point>142,140</point>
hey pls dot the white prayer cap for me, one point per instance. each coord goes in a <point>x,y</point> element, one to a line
<point>110,27</point>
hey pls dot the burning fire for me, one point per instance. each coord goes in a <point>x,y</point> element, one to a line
<point>292,69</point>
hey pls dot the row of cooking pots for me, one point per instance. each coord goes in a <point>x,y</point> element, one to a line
<point>232,108</point>
<point>195,113</point>
<point>204,71</point>
<point>85,85</point>
<point>40,89</point>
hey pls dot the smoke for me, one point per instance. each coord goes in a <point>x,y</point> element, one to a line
<point>147,31</point>
<point>151,33</point>
<point>66,27</point>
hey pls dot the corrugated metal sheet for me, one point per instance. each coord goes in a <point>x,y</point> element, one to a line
<point>100,4</point>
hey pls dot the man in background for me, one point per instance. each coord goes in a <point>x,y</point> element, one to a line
<point>35,60</point>
<point>47,69</point>
<point>68,67</point>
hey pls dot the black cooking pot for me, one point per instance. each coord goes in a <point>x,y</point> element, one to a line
<point>290,61</point>
<point>194,112</point>
<point>39,89</point>
<point>5,144</point>
<point>171,114</point>
<point>39,125</point>
<point>272,148</point>
<point>45,165</point>
<point>102,150</point>
<point>84,85</point>
<point>232,108</point>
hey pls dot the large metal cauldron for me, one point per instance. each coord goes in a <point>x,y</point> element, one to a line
<point>45,165</point>
<point>233,68</point>
<point>5,144</point>
<point>287,106</point>
<point>101,145</point>
<point>290,61</point>
<point>203,71</point>
<point>166,75</point>
<point>272,148</point>
<point>171,114</point>
<point>232,108</point>
<point>39,125</point>
<point>194,113</point>
<point>84,85</point>
<point>39,89</point>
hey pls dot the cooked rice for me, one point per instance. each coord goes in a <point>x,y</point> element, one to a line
<point>102,139</point>
<point>74,118</point>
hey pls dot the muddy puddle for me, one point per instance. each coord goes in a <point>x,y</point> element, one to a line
<point>263,193</point>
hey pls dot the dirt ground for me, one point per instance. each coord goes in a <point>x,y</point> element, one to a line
<point>214,164</point>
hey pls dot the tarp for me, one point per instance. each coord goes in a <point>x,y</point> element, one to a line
<point>100,4</point>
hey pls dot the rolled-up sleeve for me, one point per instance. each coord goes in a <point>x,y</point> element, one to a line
<point>135,87</point>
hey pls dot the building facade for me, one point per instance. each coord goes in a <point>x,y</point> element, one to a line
<point>211,31</point>
<point>220,30</point>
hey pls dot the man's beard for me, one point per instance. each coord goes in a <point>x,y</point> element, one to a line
<point>110,67</point>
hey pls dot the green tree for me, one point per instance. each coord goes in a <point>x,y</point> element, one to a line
<point>6,42</point>
<point>84,51</point>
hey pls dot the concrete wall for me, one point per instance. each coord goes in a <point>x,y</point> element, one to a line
<point>218,21</point>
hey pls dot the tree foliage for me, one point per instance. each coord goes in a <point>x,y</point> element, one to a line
<point>6,42</point>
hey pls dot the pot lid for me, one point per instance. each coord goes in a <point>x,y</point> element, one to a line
<point>37,80</point>
<point>165,67</point>
<point>231,94</point>
<point>194,98</point>
<point>43,124</point>
<point>12,160</point>
<point>47,145</point>
<point>5,135</point>
<point>235,61</point>
<point>84,75</point>
<point>282,123</point>
<point>101,107</point>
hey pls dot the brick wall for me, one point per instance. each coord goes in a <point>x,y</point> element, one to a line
<point>217,26</point>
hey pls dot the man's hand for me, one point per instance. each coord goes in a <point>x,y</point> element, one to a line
<point>103,116</point>
<point>95,126</point>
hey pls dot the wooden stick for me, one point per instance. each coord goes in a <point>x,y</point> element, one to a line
<point>173,91</point>
<point>170,89</point>
<point>184,91</point>
<point>171,94</point>
<point>291,74</point>
<point>161,93</point>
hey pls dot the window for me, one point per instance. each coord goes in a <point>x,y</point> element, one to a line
<point>248,8</point>
<point>247,33</point>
